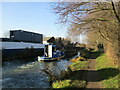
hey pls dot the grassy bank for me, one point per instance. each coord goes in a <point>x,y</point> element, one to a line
<point>108,71</point>
<point>75,76</point>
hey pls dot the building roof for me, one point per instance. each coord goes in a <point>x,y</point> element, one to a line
<point>24,31</point>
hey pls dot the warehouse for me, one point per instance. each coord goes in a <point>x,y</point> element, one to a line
<point>25,36</point>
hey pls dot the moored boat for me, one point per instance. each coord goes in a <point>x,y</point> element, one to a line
<point>51,54</point>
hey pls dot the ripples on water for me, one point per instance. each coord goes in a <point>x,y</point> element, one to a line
<point>17,74</point>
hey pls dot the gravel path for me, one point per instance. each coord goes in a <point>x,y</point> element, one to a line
<point>93,78</point>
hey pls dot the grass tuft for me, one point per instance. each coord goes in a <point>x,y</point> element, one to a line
<point>108,71</point>
<point>75,77</point>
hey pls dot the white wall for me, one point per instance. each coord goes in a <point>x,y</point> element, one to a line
<point>19,45</point>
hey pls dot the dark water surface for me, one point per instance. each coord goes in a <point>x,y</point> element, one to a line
<point>18,74</point>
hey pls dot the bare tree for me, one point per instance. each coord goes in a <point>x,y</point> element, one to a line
<point>91,18</point>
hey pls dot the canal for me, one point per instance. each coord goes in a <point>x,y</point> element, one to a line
<point>20,74</point>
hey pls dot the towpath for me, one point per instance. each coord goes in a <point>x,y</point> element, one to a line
<point>93,78</point>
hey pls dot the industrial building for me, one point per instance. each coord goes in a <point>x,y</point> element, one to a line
<point>25,36</point>
<point>22,44</point>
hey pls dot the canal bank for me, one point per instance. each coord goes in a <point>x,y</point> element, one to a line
<point>75,77</point>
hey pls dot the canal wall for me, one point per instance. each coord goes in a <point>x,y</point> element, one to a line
<point>20,50</point>
<point>8,55</point>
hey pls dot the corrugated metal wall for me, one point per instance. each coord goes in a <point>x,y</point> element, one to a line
<point>20,35</point>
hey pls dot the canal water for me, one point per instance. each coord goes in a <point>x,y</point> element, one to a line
<point>18,74</point>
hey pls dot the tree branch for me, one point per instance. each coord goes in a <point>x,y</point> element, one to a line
<point>117,16</point>
<point>104,36</point>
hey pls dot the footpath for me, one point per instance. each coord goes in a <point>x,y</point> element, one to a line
<point>93,78</point>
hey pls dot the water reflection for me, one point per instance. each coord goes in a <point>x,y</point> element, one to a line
<point>56,67</point>
<point>31,75</point>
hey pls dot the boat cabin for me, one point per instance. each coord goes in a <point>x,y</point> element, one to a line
<point>49,50</point>
<point>50,54</point>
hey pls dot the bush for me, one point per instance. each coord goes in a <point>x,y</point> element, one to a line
<point>85,53</point>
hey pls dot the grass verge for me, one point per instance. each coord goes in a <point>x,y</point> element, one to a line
<point>75,76</point>
<point>108,71</point>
